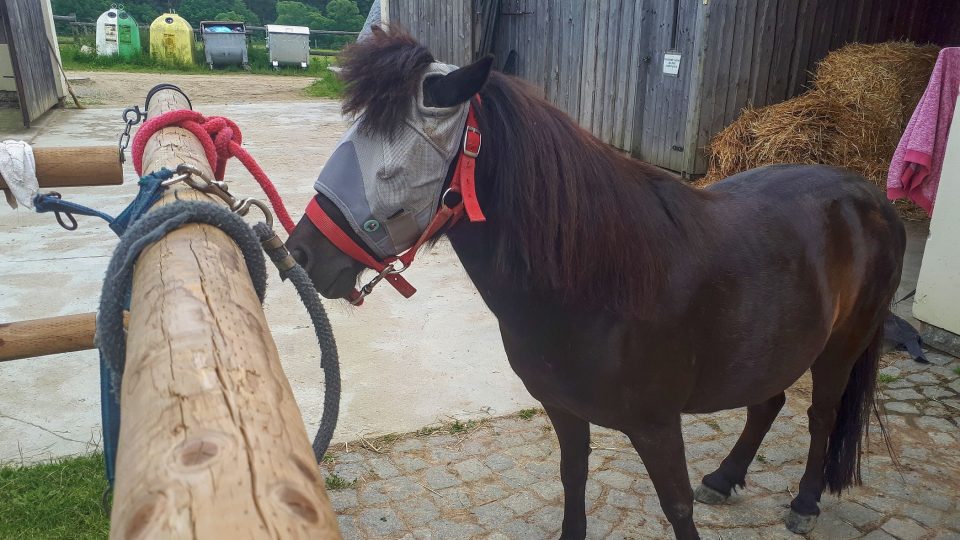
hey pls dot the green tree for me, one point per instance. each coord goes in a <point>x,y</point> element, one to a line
<point>345,15</point>
<point>86,10</point>
<point>265,9</point>
<point>90,10</point>
<point>207,10</point>
<point>229,16</point>
<point>143,13</point>
<point>300,14</point>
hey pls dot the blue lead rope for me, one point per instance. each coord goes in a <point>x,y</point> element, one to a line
<point>151,189</point>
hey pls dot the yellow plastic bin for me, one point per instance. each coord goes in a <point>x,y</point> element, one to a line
<point>171,39</point>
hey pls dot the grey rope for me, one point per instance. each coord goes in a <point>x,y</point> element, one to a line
<point>155,225</point>
<point>329,359</point>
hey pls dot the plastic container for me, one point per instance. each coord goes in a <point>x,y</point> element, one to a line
<point>117,33</point>
<point>171,39</point>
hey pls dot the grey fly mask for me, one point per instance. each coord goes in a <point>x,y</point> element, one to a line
<point>388,187</point>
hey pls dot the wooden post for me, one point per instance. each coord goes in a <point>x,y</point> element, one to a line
<point>39,337</point>
<point>53,335</point>
<point>212,443</point>
<point>77,166</point>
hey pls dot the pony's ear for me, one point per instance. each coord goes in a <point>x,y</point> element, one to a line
<point>457,86</point>
<point>378,31</point>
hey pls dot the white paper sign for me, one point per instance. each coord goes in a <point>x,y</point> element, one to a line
<point>671,63</point>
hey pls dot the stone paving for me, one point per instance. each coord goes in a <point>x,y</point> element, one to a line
<point>499,478</point>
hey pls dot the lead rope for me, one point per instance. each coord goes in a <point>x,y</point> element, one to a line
<point>155,225</point>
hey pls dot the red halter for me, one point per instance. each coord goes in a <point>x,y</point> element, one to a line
<point>463,184</point>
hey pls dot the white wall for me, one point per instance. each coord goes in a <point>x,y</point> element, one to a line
<point>938,287</point>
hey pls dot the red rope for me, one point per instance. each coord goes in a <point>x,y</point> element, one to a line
<point>221,140</point>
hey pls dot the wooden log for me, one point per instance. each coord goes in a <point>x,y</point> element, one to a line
<point>40,337</point>
<point>53,335</point>
<point>212,443</point>
<point>77,166</point>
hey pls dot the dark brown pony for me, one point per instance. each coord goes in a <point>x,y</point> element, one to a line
<point>626,298</point>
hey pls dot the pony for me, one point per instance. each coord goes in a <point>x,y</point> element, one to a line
<point>625,297</point>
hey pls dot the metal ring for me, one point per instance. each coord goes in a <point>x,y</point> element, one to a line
<point>243,208</point>
<point>443,198</point>
<point>164,86</point>
<point>133,110</point>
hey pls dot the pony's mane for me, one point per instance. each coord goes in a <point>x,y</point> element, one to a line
<point>381,73</point>
<point>573,216</point>
<point>569,215</point>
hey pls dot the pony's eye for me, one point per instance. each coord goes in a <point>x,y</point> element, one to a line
<point>388,172</point>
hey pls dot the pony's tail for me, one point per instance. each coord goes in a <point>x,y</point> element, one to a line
<point>842,464</point>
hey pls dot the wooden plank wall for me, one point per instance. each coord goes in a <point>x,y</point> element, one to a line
<point>30,54</point>
<point>661,115</point>
<point>583,56</point>
<point>445,27</point>
<point>777,44</point>
<point>600,60</point>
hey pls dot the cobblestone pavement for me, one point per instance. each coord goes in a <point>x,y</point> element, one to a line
<point>500,478</point>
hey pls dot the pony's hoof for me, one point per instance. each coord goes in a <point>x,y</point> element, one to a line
<point>799,523</point>
<point>707,495</point>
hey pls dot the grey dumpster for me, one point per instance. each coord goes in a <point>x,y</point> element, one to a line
<point>289,45</point>
<point>224,43</point>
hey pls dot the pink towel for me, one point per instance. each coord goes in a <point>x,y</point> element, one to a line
<point>917,163</point>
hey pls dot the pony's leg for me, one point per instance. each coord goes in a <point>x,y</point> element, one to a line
<point>574,436</point>
<point>830,375</point>
<point>660,446</point>
<point>732,471</point>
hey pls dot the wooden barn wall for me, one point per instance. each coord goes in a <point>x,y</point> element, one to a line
<point>584,56</point>
<point>445,27</point>
<point>26,34</point>
<point>763,51</point>
<point>601,60</point>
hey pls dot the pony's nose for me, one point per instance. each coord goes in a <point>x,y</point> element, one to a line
<point>300,256</point>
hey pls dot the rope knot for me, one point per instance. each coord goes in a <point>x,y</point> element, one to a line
<point>221,140</point>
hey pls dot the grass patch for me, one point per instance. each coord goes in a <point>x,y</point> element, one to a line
<point>459,427</point>
<point>257,55</point>
<point>761,458</point>
<point>527,414</point>
<point>886,378</point>
<point>326,86</point>
<point>60,499</point>
<point>452,428</point>
<point>335,482</point>
<point>956,370</point>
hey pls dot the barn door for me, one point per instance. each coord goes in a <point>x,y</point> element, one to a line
<point>26,33</point>
<point>667,36</point>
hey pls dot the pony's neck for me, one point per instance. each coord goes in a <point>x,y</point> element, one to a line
<point>569,217</point>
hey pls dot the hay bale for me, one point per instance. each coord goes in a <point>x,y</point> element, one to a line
<point>883,81</point>
<point>861,99</point>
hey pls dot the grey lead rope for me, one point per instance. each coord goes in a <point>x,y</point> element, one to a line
<point>329,358</point>
<point>155,225</point>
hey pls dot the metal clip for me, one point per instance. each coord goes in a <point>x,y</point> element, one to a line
<point>368,288</point>
<point>243,207</point>
<point>195,178</point>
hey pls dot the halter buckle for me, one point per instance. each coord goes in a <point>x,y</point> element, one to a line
<point>471,142</point>
<point>368,288</point>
